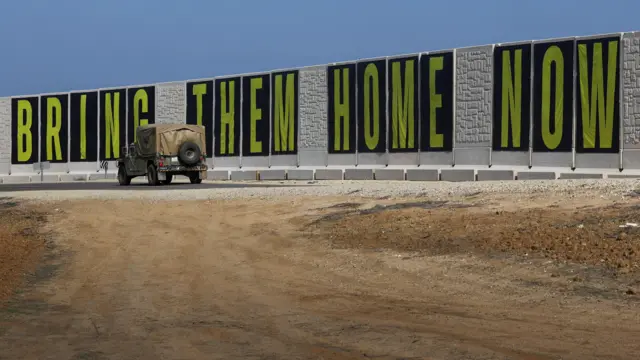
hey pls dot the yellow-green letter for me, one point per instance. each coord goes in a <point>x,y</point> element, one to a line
<point>140,98</point>
<point>552,55</point>
<point>199,90</point>
<point>403,122</point>
<point>54,125</point>
<point>604,107</point>
<point>284,111</point>
<point>83,126</point>
<point>112,120</point>
<point>24,138</point>
<point>341,109</point>
<point>436,140</point>
<point>511,98</point>
<point>227,117</point>
<point>371,95</point>
<point>256,115</point>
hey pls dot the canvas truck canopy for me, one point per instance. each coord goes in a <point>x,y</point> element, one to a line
<point>166,139</point>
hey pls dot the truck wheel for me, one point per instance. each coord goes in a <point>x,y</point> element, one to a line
<point>168,179</point>
<point>189,153</point>
<point>195,178</point>
<point>152,175</point>
<point>123,179</point>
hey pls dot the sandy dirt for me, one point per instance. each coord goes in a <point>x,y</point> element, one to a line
<point>478,277</point>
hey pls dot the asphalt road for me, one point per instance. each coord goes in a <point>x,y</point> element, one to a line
<point>113,185</point>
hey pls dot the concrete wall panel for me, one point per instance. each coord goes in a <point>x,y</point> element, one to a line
<point>404,159</point>
<point>5,136</point>
<point>631,100</point>
<point>171,103</point>
<point>550,159</point>
<point>313,116</point>
<point>435,158</point>
<point>473,105</point>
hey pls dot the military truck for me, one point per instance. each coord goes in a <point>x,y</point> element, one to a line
<point>161,151</point>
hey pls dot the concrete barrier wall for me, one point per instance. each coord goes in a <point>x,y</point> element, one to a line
<point>566,108</point>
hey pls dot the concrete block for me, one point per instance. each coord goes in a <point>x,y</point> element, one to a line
<point>101,176</point>
<point>16,179</point>
<point>457,175</point>
<point>423,175</point>
<point>329,174</point>
<point>73,177</point>
<point>536,175</point>
<point>389,174</point>
<point>218,175</point>
<point>244,175</point>
<point>358,174</point>
<point>566,176</point>
<point>623,176</point>
<point>46,178</point>
<point>273,174</point>
<point>495,175</point>
<point>298,174</point>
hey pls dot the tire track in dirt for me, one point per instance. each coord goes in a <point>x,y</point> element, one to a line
<point>252,279</point>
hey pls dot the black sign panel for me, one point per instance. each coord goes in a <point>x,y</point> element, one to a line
<point>372,109</point>
<point>84,126</point>
<point>54,119</point>
<point>598,95</point>
<point>403,104</point>
<point>553,96</point>
<point>255,115</point>
<point>511,97</point>
<point>112,123</point>
<point>436,92</point>
<point>141,111</point>
<point>341,82</point>
<point>200,108</point>
<point>227,117</point>
<point>24,130</point>
<point>284,112</point>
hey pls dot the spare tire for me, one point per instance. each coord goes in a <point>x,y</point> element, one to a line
<point>189,153</point>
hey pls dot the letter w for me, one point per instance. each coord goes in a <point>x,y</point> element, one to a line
<point>598,105</point>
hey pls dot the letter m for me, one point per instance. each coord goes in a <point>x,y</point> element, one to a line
<point>402,106</point>
<point>284,112</point>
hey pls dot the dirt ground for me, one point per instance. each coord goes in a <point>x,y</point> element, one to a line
<point>479,277</point>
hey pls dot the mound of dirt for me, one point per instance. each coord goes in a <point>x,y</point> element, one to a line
<point>605,236</point>
<point>21,244</point>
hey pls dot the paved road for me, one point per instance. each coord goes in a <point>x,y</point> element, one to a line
<point>113,185</point>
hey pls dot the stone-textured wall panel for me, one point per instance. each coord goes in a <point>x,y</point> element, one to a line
<point>313,108</point>
<point>631,90</point>
<point>474,72</point>
<point>171,103</point>
<point>5,133</point>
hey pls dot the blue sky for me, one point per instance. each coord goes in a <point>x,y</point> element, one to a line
<point>62,45</point>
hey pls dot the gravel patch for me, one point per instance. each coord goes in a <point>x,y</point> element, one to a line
<point>371,189</point>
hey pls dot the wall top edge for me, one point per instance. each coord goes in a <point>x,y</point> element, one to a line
<point>484,47</point>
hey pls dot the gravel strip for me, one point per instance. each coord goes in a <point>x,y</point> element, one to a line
<point>277,189</point>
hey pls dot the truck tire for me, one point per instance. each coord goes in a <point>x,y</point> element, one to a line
<point>194,178</point>
<point>123,178</point>
<point>152,175</point>
<point>189,153</point>
<point>168,179</point>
